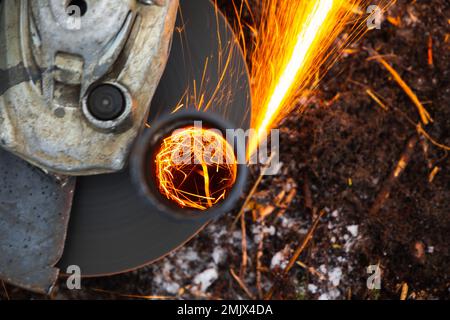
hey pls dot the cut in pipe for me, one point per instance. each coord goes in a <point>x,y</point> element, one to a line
<point>186,166</point>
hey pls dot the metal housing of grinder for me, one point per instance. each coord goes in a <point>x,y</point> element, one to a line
<point>55,55</point>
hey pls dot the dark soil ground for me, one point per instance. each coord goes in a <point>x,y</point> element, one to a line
<point>337,156</point>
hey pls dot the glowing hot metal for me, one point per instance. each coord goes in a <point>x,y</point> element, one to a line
<point>195,168</point>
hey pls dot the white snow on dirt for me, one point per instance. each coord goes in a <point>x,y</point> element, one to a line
<point>334,276</point>
<point>193,270</point>
<point>353,229</point>
<point>205,279</point>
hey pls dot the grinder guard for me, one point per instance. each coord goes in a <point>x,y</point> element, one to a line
<point>49,65</point>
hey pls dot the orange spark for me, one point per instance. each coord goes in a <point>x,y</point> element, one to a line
<point>195,168</point>
<point>293,43</point>
<point>430,50</point>
<point>207,92</point>
<point>296,42</point>
<point>376,99</point>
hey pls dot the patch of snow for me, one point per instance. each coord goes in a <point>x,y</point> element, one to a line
<point>256,230</point>
<point>323,268</point>
<point>218,255</point>
<point>286,222</point>
<point>157,278</point>
<point>353,229</point>
<point>312,288</point>
<point>335,276</point>
<point>259,231</point>
<point>191,255</point>
<point>331,295</point>
<point>237,235</point>
<point>269,230</point>
<point>167,268</point>
<point>206,278</point>
<point>172,287</point>
<point>303,231</point>
<point>279,260</point>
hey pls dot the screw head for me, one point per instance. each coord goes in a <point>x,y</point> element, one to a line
<point>106,102</point>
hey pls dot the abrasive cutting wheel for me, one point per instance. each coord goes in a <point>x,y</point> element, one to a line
<point>111,228</point>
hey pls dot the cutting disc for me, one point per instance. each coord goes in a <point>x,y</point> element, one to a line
<point>111,229</point>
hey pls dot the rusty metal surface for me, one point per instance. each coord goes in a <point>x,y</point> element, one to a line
<point>48,64</point>
<point>112,229</point>
<point>34,213</point>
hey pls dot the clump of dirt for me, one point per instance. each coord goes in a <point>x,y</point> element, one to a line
<point>337,155</point>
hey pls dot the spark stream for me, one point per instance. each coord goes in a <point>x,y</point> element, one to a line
<point>196,167</point>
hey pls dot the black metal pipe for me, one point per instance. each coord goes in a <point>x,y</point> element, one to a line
<point>144,172</point>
